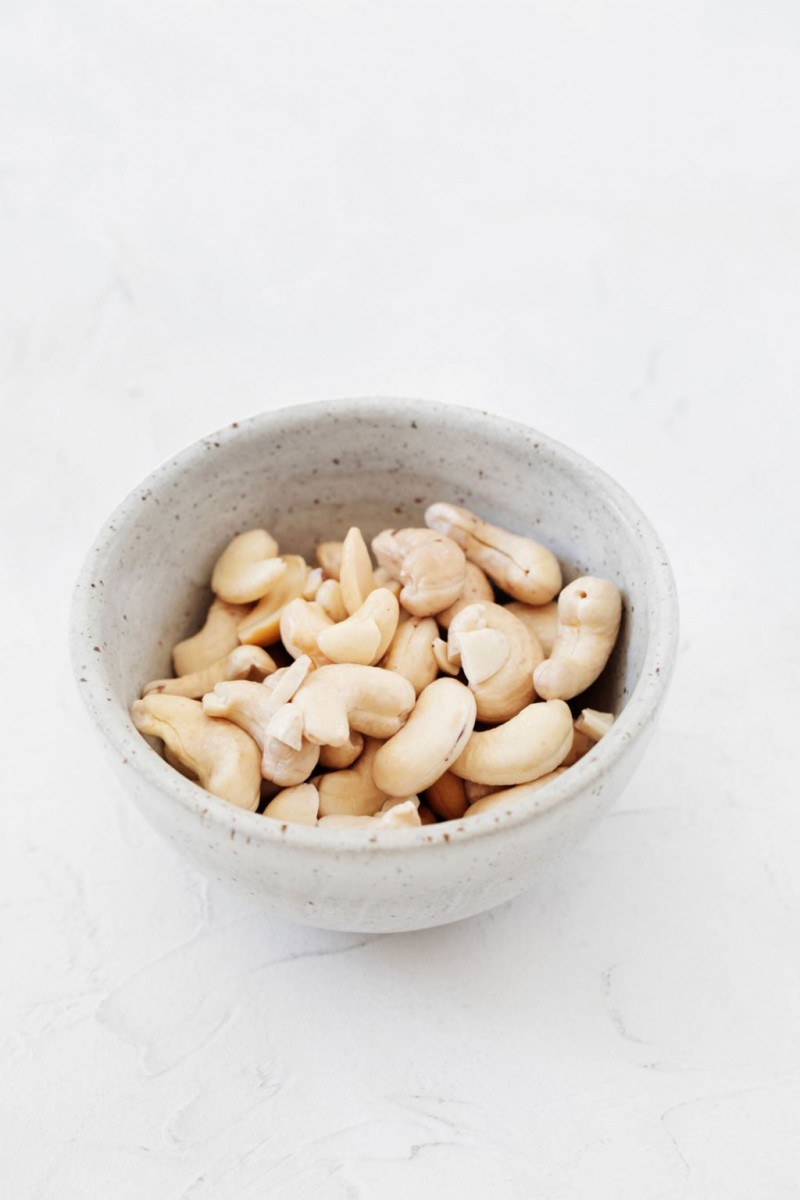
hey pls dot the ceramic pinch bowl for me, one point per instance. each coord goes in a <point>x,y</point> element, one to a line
<point>308,473</point>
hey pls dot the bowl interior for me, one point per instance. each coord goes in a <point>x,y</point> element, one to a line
<point>309,473</point>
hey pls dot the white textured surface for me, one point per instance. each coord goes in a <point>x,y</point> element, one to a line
<point>582,215</point>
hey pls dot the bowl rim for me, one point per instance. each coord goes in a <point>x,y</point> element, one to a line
<point>132,750</point>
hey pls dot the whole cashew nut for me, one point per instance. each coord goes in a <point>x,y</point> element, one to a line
<point>589,614</point>
<point>477,590</point>
<point>295,805</point>
<point>262,626</point>
<point>245,662</point>
<point>247,568</point>
<point>217,638</point>
<point>434,736</point>
<point>353,791</point>
<point>431,568</point>
<point>530,745</point>
<point>222,757</point>
<point>500,679</point>
<point>355,572</point>
<point>348,696</point>
<point>512,795</point>
<point>365,636</point>
<point>540,620</point>
<point>411,652</point>
<point>520,566</point>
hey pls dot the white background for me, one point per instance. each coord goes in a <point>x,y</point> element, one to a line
<point>579,213</point>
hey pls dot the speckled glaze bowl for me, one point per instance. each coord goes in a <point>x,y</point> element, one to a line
<point>307,473</point>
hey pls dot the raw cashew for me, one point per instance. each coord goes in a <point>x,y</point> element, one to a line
<point>581,744</point>
<point>411,652</point>
<point>531,744</point>
<point>398,817</point>
<point>401,814</point>
<point>431,568</point>
<point>365,636</point>
<point>395,801</point>
<point>477,590</point>
<point>442,658</point>
<point>247,568</point>
<point>446,796</point>
<point>383,579</point>
<point>295,805</point>
<point>221,756</point>
<point>329,597</point>
<point>431,740</point>
<point>594,724</point>
<point>217,638</point>
<point>245,662</point>
<point>262,626</point>
<point>540,620</point>
<point>352,791</point>
<point>520,566</point>
<point>337,758</point>
<point>589,613</point>
<point>347,696</point>
<point>314,581</point>
<point>286,725</point>
<point>329,557</point>
<point>253,707</point>
<point>511,795</point>
<point>500,674</point>
<point>301,621</point>
<point>355,573</point>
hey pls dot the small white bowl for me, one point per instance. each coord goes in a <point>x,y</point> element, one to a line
<point>307,473</point>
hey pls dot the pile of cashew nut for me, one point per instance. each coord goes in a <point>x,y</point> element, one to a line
<point>429,688</point>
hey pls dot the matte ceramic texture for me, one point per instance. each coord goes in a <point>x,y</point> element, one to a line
<point>307,473</point>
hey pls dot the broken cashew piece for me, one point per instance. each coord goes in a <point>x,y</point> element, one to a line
<point>595,725</point>
<point>329,557</point>
<point>512,795</point>
<point>262,626</point>
<point>314,581</point>
<point>447,796</point>
<point>498,656</point>
<point>581,745</point>
<point>217,638</point>
<point>411,652</point>
<point>338,758</point>
<point>329,597</point>
<point>431,568</point>
<point>589,614</point>
<point>477,590</point>
<point>353,791</point>
<point>433,737</point>
<point>531,744</point>
<point>347,696</point>
<point>443,660</point>
<point>355,572</point>
<point>520,566</point>
<point>247,568</point>
<point>222,757</point>
<point>400,813</point>
<point>295,805</point>
<point>365,636</point>
<point>301,622</point>
<point>541,620</point>
<point>245,662</point>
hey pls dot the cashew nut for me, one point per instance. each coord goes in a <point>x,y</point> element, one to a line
<point>352,791</point>
<point>355,572</point>
<point>224,760</point>
<point>595,725</point>
<point>301,621</point>
<point>477,590</point>
<point>247,568</point>
<point>347,696</point>
<point>295,805</point>
<point>411,652</point>
<point>337,758</point>
<point>446,796</point>
<point>511,795</point>
<point>581,745</point>
<point>540,620</point>
<point>329,557</point>
<point>434,736</point>
<point>384,579</point>
<point>365,636</point>
<point>520,566</point>
<point>431,568</point>
<point>443,661</point>
<point>531,744</point>
<point>217,638</point>
<point>286,725</point>
<point>476,791</point>
<point>499,672</point>
<point>245,662</point>
<point>262,626</point>
<point>329,597</point>
<point>589,613</point>
<point>401,813</point>
<point>314,581</point>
